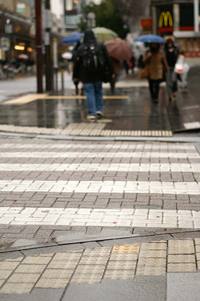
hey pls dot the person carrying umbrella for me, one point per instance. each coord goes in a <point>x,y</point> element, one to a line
<point>91,67</point>
<point>156,65</point>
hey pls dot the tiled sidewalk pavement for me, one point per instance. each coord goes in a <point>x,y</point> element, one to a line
<point>24,274</point>
<point>52,188</point>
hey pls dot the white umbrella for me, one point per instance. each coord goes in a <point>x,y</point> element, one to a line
<point>23,56</point>
<point>67,55</point>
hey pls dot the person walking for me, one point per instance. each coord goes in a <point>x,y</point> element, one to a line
<point>156,66</point>
<point>92,67</point>
<point>172,54</point>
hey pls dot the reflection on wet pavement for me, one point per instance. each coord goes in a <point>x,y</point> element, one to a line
<point>134,113</point>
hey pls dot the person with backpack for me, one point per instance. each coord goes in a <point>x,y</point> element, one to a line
<point>92,67</point>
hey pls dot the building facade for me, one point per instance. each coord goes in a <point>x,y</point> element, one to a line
<point>179,18</point>
<point>16,34</point>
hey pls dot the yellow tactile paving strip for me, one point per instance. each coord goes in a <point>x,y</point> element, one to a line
<point>24,99</point>
<point>56,270</point>
<point>35,97</point>
<point>84,129</point>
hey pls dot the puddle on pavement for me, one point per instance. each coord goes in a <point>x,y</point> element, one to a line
<point>134,113</point>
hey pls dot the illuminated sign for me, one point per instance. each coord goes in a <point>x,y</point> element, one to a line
<point>165,19</point>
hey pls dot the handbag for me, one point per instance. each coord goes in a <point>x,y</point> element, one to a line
<point>144,73</point>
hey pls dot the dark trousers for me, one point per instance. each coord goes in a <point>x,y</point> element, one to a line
<point>154,87</point>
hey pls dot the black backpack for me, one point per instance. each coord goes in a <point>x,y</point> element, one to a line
<point>93,60</point>
<point>90,58</point>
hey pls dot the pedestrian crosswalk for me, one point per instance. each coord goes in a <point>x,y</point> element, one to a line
<point>164,192</point>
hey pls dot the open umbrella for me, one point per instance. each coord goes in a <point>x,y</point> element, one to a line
<point>23,56</point>
<point>104,34</point>
<point>150,38</point>
<point>119,49</point>
<point>67,55</point>
<point>72,38</point>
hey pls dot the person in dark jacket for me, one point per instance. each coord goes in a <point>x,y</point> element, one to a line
<point>91,65</point>
<point>171,54</point>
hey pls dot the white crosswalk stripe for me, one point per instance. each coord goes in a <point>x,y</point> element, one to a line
<point>82,154</point>
<point>100,217</point>
<point>137,146</point>
<point>139,187</point>
<point>99,167</point>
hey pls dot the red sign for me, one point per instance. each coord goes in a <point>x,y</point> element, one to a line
<point>146,23</point>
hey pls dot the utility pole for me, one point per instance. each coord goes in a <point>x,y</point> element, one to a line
<point>48,48</point>
<point>39,45</point>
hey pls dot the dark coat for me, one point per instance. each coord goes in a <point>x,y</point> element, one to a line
<point>104,66</point>
<point>171,55</point>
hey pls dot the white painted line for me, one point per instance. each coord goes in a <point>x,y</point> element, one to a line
<point>127,146</point>
<point>192,125</point>
<point>82,154</point>
<point>99,167</point>
<point>100,217</point>
<point>139,187</point>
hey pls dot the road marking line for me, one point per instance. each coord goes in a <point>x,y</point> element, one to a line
<point>86,154</point>
<point>98,167</point>
<point>140,187</point>
<point>127,146</point>
<point>100,217</point>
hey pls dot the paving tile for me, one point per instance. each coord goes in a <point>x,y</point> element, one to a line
<point>57,274</point>
<point>152,262</point>
<point>181,258</point>
<point>181,247</point>
<point>150,270</point>
<point>89,269</point>
<point>23,278</point>
<point>90,278</point>
<point>30,269</point>
<point>183,286</point>
<point>36,260</point>
<point>67,256</point>
<point>123,257</point>
<point>51,283</point>
<point>17,288</point>
<point>181,267</point>
<point>119,274</point>
<point>62,265</point>
<point>153,254</point>
<point>121,265</point>
<point>93,260</point>
<point>151,289</point>
<point>153,246</point>
<point>126,249</point>
<point>7,265</point>
<point>4,274</point>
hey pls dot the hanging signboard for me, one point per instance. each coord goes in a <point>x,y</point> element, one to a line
<point>165,19</point>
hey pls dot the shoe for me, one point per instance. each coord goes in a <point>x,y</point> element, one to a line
<point>99,114</point>
<point>91,117</point>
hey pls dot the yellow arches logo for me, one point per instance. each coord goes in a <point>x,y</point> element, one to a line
<point>165,19</point>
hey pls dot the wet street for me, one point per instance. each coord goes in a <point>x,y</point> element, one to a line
<point>130,109</point>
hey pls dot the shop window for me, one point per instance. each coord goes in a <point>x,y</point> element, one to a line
<point>187,17</point>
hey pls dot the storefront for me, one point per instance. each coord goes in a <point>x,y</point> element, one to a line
<point>181,19</point>
<point>15,36</point>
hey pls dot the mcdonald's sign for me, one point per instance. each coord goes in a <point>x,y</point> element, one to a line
<point>165,19</point>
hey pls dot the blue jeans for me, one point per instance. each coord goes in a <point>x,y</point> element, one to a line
<point>94,95</point>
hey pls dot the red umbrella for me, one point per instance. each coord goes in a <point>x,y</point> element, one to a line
<point>119,49</point>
